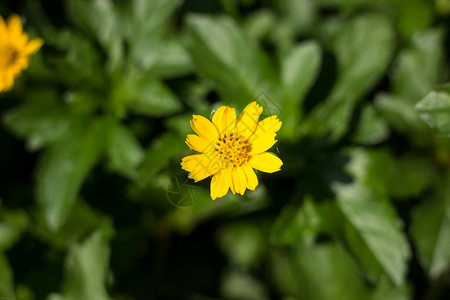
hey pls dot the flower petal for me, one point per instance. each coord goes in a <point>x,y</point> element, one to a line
<point>248,119</point>
<point>252,180</point>
<point>266,162</point>
<point>262,144</point>
<point>220,183</point>
<point>200,166</point>
<point>199,144</point>
<point>239,180</point>
<point>33,46</point>
<point>204,128</point>
<point>269,126</point>
<point>14,26</point>
<point>224,119</point>
<point>3,30</point>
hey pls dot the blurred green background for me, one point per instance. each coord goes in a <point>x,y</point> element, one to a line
<point>94,204</point>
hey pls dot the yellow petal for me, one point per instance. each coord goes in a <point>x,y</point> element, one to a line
<point>220,183</point>
<point>204,128</point>
<point>199,144</point>
<point>266,162</point>
<point>252,180</point>
<point>267,126</point>
<point>239,180</point>
<point>3,30</point>
<point>200,166</point>
<point>14,26</point>
<point>248,119</point>
<point>224,119</point>
<point>262,144</point>
<point>33,46</point>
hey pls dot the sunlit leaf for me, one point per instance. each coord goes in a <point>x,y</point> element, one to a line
<point>434,109</point>
<point>234,62</point>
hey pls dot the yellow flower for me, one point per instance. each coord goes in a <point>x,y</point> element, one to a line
<point>231,148</point>
<point>15,49</point>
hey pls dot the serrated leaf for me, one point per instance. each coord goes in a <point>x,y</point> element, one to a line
<point>64,166</point>
<point>373,232</point>
<point>123,149</point>
<point>298,72</point>
<point>234,62</point>
<point>362,59</point>
<point>434,109</point>
<point>87,267</point>
<point>431,230</point>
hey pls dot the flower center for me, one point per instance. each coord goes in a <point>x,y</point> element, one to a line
<point>232,150</point>
<point>8,56</point>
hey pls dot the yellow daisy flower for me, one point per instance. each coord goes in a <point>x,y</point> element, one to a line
<point>15,49</point>
<point>231,148</point>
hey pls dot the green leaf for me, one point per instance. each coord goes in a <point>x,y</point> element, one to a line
<point>434,109</point>
<point>87,267</point>
<point>6,279</point>
<point>296,224</point>
<point>64,166</point>
<point>417,69</point>
<point>98,17</point>
<point>362,59</point>
<point>431,230</point>
<point>167,58</point>
<point>373,232</point>
<point>143,94</point>
<point>40,122</point>
<point>371,226</point>
<point>403,118</point>
<point>12,225</point>
<point>147,33</point>
<point>372,129</point>
<point>123,149</point>
<point>298,72</point>
<point>316,264</point>
<point>240,70</point>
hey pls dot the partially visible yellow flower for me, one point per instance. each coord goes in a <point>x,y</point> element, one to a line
<point>231,148</point>
<point>15,49</point>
